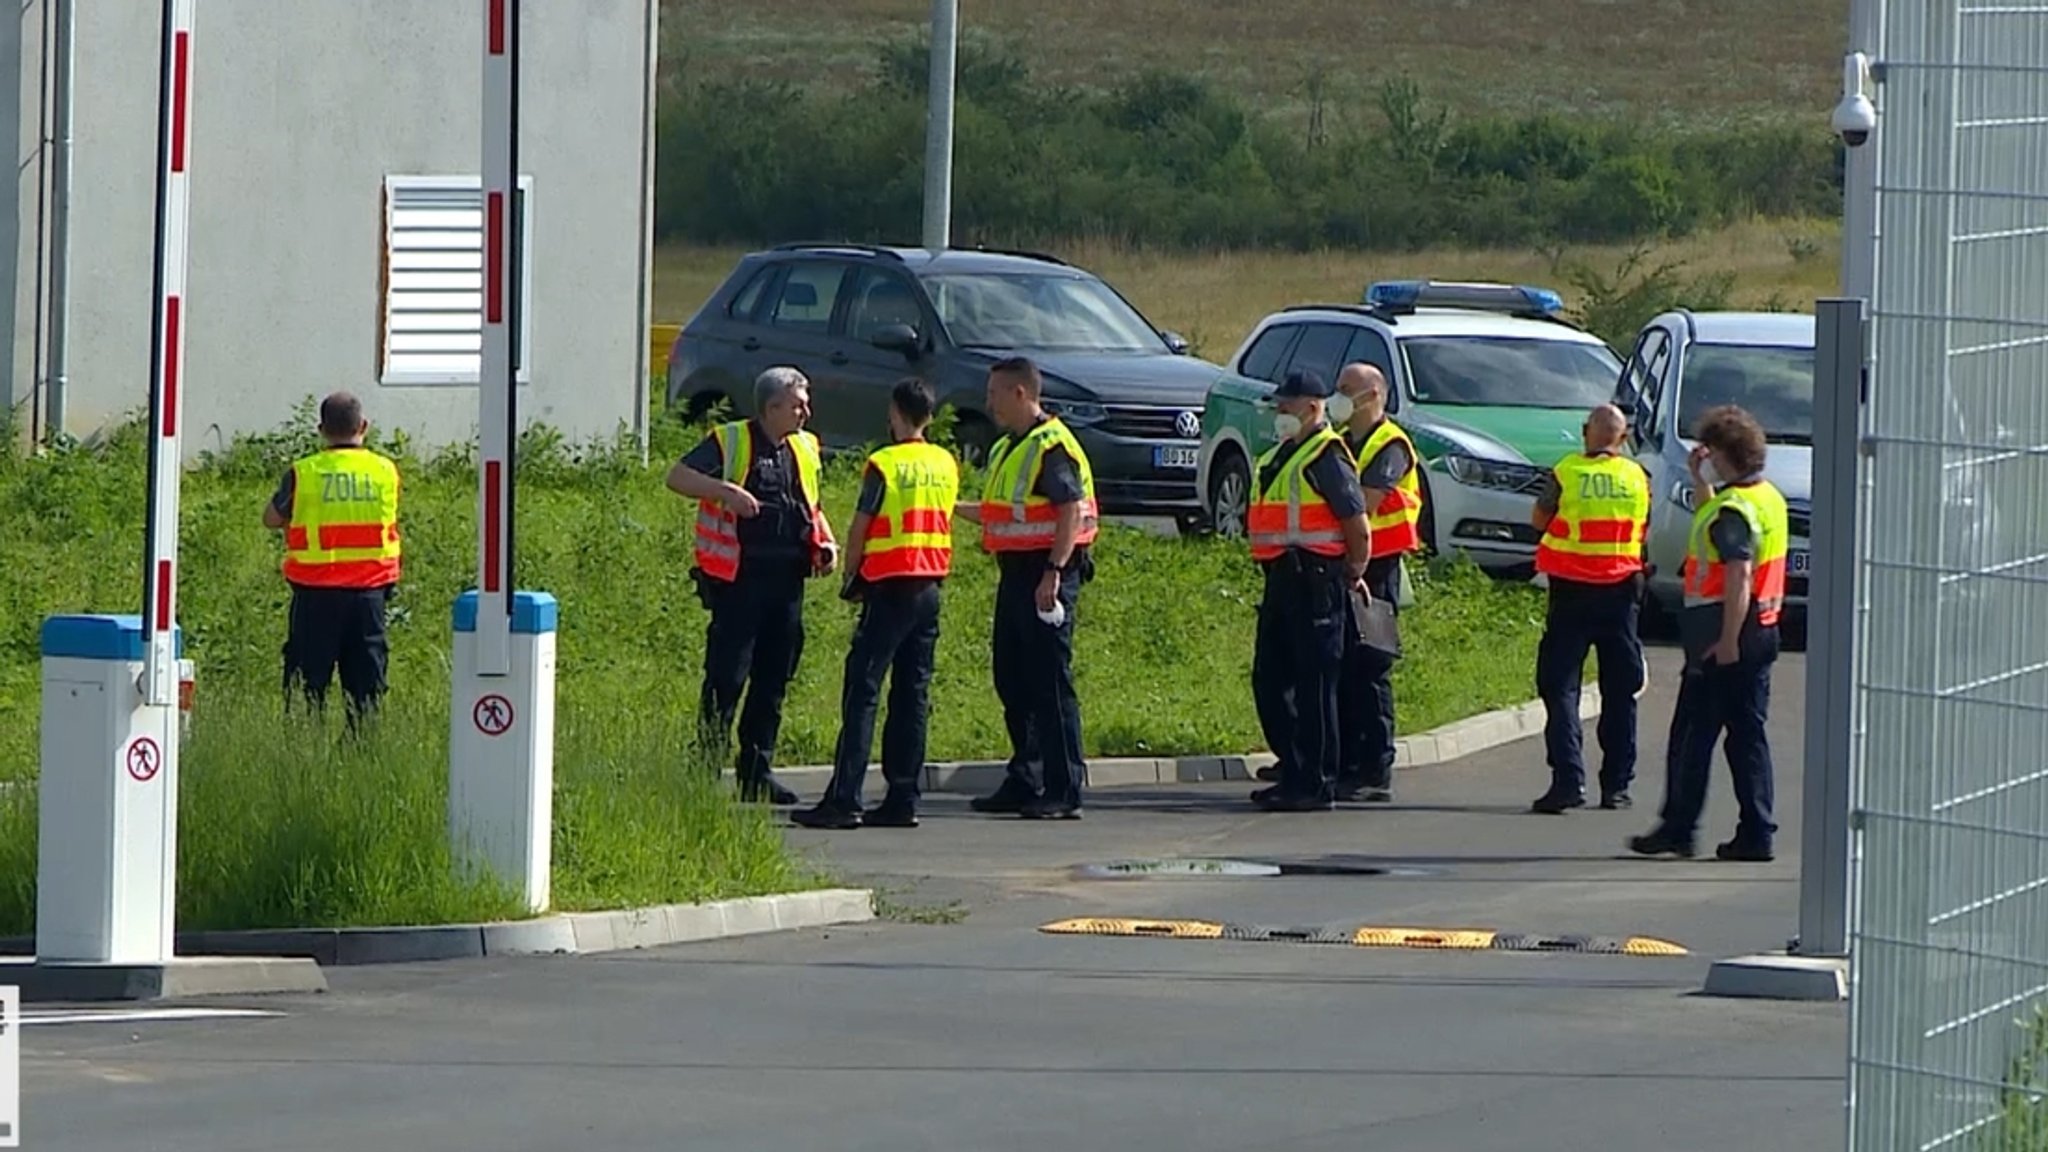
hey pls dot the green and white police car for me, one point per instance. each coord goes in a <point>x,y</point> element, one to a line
<point>1490,381</point>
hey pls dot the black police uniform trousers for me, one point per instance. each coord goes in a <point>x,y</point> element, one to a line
<point>1034,674</point>
<point>1297,661</point>
<point>338,628</point>
<point>1730,703</point>
<point>1600,618</point>
<point>1365,695</point>
<point>754,642</point>
<point>896,637</point>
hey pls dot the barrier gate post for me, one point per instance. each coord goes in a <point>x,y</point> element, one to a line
<point>502,702</point>
<point>115,688</point>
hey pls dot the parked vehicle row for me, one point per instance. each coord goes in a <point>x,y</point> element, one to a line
<point>1490,380</point>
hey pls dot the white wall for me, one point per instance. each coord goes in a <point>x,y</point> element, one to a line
<point>300,110</point>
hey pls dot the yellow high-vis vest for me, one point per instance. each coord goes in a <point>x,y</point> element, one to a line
<point>1603,511</point>
<point>1014,517</point>
<point>912,535</point>
<point>718,529</point>
<point>1289,513</point>
<point>1706,573</point>
<point>343,531</point>
<point>1397,522</point>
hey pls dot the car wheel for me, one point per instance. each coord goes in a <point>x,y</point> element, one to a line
<point>973,437</point>
<point>1426,525</point>
<point>702,405</point>
<point>1230,494</point>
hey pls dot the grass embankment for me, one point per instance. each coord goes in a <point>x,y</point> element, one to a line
<point>1570,57</point>
<point>282,825</point>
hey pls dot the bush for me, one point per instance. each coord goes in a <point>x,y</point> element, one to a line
<point>1166,159</point>
<point>1615,306</point>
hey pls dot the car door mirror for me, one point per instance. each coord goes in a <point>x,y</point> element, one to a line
<point>896,338</point>
<point>1175,341</point>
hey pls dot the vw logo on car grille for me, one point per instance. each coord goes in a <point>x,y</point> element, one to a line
<point>1188,425</point>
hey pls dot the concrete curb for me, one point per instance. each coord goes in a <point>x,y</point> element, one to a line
<point>569,933</point>
<point>1423,750</point>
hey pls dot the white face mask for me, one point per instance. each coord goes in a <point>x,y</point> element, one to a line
<point>1710,474</point>
<point>1287,425</point>
<point>1340,408</point>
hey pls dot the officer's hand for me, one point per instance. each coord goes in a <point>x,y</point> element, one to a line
<point>1725,653</point>
<point>741,501</point>
<point>1048,590</point>
<point>827,559</point>
<point>1693,460</point>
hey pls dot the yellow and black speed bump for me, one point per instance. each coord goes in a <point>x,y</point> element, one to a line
<point>1172,929</point>
<point>1449,939</point>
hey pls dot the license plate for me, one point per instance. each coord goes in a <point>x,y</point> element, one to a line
<point>1798,563</point>
<point>1176,456</point>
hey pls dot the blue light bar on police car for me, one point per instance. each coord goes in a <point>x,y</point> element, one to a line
<point>1407,295</point>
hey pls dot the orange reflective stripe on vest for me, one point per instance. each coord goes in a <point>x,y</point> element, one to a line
<point>1603,512</point>
<point>1289,512</point>
<point>343,531</point>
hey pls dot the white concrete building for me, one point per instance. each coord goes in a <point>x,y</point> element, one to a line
<point>334,238</point>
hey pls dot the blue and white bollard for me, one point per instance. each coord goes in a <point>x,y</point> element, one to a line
<point>501,749</point>
<point>107,852</point>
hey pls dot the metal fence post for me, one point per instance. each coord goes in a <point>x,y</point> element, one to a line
<point>1838,376</point>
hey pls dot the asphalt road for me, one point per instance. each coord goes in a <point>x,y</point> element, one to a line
<point>956,1024</point>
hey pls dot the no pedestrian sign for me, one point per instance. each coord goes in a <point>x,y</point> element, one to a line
<point>144,758</point>
<point>492,715</point>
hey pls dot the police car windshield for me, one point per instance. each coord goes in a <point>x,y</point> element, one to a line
<point>1773,383</point>
<point>1510,371</point>
<point>1042,312</point>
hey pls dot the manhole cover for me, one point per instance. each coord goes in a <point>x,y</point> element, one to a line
<point>1211,869</point>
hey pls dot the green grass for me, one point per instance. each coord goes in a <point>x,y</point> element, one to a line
<point>1671,61</point>
<point>286,824</point>
<point>2022,1121</point>
<point>283,825</point>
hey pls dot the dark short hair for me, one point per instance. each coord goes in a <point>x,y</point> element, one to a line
<point>341,414</point>
<point>1730,430</point>
<point>1024,369</point>
<point>913,398</point>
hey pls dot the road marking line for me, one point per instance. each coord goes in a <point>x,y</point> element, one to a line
<point>137,1015</point>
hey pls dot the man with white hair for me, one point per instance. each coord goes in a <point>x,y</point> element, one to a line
<point>760,534</point>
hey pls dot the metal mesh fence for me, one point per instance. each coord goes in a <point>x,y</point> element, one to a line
<point>1949,925</point>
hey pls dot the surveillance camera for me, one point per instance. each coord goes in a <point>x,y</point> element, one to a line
<point>1854,120</point>
<point>1855,117</point>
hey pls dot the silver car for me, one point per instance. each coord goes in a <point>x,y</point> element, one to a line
<point>1684,363</point>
